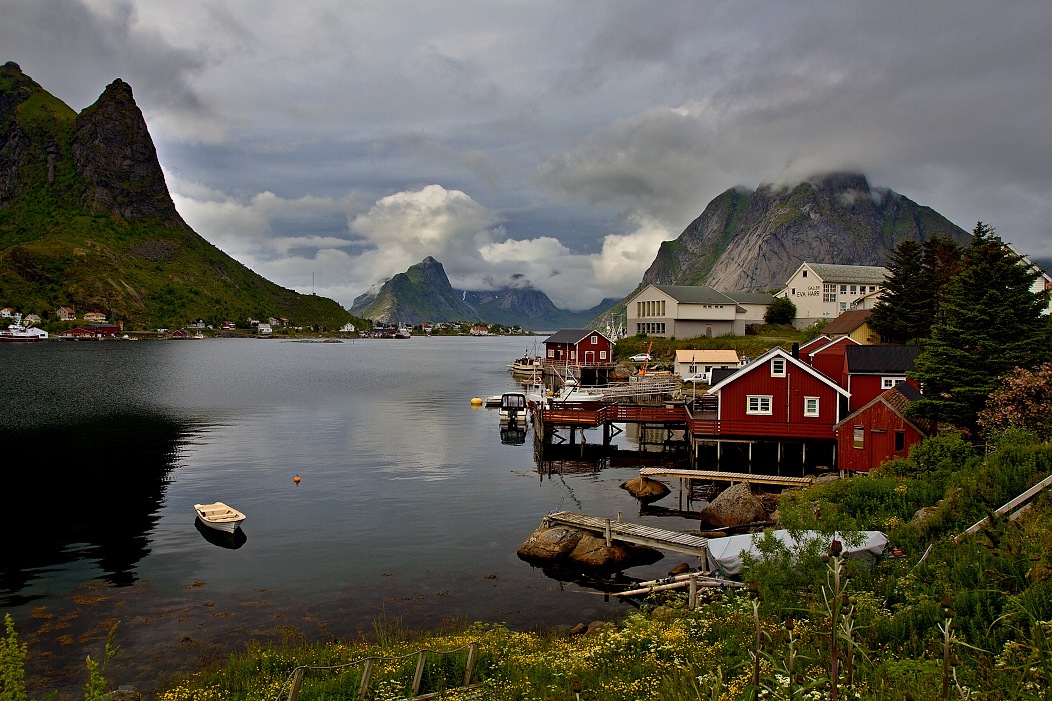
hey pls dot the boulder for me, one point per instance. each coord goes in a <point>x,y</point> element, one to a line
<point>645,489</point>
<point>592,551</point>
<point>735,506</point>
<point>548,544</point>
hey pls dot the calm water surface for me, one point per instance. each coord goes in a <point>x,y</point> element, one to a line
<point>409,509</point>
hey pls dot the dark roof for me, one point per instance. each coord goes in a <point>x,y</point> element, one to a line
<point>847,322</point>
<point>717,375</point>
<point>571,336</point>
<point>874,360</point>
<point>695,294</point>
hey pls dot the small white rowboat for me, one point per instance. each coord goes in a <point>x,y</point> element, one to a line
<point>219,516</point>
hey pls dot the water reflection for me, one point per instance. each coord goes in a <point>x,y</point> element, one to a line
<point>230,541</point>
<point>86,490</point>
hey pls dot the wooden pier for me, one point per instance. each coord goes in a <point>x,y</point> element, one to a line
<point>634,533</point>
<point>721,476</point>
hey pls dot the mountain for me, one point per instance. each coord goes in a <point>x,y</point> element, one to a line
<point>86,221</point>
<point>424,293</point>
<point>748,240</point>
<point>421,293</point>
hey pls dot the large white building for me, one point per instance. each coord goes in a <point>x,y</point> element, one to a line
<point>683,311</point>
<point>823,291</point>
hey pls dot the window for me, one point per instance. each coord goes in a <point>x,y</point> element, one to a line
<point>889,382</point>
<point>843,289</point>
<point>900,441</point>
<point>758,404</point>
<point>828,292</point>
<point>805,274</point>
<point>843,306</point>
<point>602,355</point>
<point>594,341</point>
<point>778,367</point>
<point>854,290</point>
<point>810,406</point>
<point>860,436</point>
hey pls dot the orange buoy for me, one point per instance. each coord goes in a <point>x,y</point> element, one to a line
<point>296,479</point>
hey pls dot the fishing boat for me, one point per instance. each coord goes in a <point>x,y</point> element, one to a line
<point>22,333</point>
<point>219,516</point>
<point>513,408</point>
<point>527,365</point>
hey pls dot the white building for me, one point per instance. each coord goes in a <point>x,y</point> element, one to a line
<point>823,291</point>
<point>683,311</point>
<point>692,363</point>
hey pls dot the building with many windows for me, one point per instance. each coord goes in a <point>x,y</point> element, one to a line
<point>823,291</point>
<point>687,311</point>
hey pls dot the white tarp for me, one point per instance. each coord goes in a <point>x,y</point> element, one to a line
<point>725,554</point>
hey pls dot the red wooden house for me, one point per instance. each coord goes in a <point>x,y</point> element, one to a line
<point>878,431</point>
<point>871,370</point>
<point>581,347</point>
<point>813,345</point>
<point>776,396</point>
<point>828,359</point>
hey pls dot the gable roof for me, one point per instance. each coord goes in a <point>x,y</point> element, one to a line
<point>874,360</point>
<point>571,336</point>
<point>762,361</point>
<point>867,274</point>
<point>695,294</point>
<point>847,321</point>
<point>896,399</point>
<point>706,356</point>
<point>750,297</point>
<point>814,344</point>
<point>839,340</point>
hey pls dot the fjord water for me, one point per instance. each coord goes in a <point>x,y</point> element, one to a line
<point>409,508</point>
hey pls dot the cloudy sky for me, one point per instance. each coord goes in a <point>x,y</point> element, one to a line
<point>329,144</point>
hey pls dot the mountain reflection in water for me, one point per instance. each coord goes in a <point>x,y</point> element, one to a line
<point>89,489</point>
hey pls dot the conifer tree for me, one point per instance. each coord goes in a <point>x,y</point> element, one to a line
<point>902,312</point>
<point>990,323</point>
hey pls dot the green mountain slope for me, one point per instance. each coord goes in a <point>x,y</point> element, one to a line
<point>86,221</point>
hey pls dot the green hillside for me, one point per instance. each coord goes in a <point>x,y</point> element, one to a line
<point>86,221</point>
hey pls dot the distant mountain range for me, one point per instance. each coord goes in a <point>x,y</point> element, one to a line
<point>86,221</point>
<point>424,293</point>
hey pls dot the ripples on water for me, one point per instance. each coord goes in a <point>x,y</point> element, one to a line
<point>409,504</point>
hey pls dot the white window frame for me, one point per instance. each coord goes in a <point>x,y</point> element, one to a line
<point>891,381</point>
<point>777,367</point>
<point>594,340</point>
<point>812,410</point>
<point>755,403</point>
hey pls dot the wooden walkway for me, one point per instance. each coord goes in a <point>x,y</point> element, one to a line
<point>720,476</point>
<point>632,533</point>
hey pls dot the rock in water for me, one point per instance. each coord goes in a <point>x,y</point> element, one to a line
<point>735,506</point>
<point>645,489</point>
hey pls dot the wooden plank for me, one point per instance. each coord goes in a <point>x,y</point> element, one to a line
<point>634,533</point>
<point>719,476</point>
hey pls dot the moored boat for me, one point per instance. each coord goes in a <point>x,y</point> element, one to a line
<point>219,516</point>
<point>527,365</point>
<point>22,333</point>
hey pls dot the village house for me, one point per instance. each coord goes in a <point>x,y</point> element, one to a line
<point>823,291</point>
<point>7,313</point>
<point>775,399</point>
<point>578,347</point>
<point>347,328</point>
<point>683,311</point>
<point>264,329</point>
<point>828,358</point>
<point>32,319</point>
<point>65,314</point>
<point>700,363</point>
<point>870,370</point>
<point>854,324</point>
<point>94,317</point>
<point>878,431</point>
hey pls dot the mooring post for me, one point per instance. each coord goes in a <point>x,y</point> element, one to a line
<point>692,598</point>
<point>608,535</point>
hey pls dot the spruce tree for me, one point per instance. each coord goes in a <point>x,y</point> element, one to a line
<point>902,312</point>
<point>990,323</point>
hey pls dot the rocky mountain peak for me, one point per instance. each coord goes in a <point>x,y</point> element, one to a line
<point>115,156</point>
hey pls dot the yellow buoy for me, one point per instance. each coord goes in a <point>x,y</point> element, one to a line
<point>476,401</point>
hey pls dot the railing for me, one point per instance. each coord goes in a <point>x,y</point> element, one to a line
<point>759,429</point>
<point>444,684</point>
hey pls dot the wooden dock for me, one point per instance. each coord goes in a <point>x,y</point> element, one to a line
<point>634,533</point>
<point>720,476</point>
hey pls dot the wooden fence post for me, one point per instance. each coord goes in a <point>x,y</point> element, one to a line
<point>469,666</point>
<point>297,679</point>
<point>421,660</point>
<point>367,673</point>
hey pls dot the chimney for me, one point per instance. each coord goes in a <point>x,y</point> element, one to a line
<point>796,351</point>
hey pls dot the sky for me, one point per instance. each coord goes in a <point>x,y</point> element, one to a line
<point>331,144</point>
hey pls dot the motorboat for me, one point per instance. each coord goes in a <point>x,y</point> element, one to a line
<point>527,365</point>
<point>219,516</point>
<point>513,408</point>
